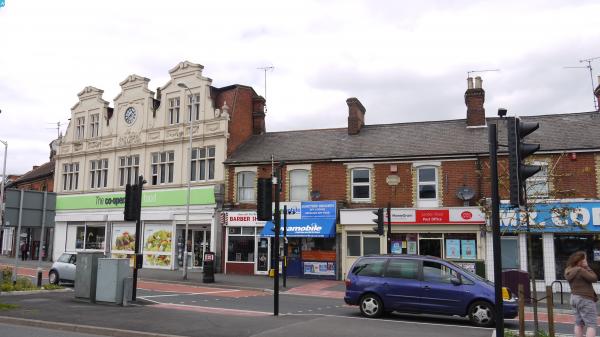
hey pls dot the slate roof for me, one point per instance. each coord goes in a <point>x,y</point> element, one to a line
<point>45,170</point>
<point>450,138</point>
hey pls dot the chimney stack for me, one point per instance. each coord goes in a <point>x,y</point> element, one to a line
<point>258,116</point>
<point>597,94</point>
<point>356,115</point>
<point>474,99</point>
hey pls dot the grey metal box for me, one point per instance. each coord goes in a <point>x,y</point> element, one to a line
<point>85,275</point>
<point>111,276</point>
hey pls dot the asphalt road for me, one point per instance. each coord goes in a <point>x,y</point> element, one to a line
<point>9,330</point>
<point>219,312</point>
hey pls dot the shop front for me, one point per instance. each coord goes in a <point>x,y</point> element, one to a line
<point>557,230</point>
<point>245,251</point>
<point>94,222</point>
<point>450,233</point>
<point>310,234</point>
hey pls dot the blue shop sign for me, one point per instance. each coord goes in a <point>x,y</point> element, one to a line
<point>309,210</point>
<point>555,217</point>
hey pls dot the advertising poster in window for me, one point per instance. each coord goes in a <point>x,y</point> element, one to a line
<point>319,268</point>
<point>396,247</point>
<point>469,251</point>
<point>452,249</point>
<point>158,246</point>
<point>123,242</point>
<point>412,247</point>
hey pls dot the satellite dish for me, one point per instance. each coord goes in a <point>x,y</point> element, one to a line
<point>465,193</point>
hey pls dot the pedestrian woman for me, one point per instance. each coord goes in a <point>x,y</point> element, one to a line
<point>583,297</point>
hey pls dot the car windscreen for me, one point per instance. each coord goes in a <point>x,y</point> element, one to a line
<point>64,258</point>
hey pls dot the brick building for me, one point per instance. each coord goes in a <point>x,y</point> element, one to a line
<point>434,174</point>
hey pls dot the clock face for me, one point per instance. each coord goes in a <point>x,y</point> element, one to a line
<point>130,115</point>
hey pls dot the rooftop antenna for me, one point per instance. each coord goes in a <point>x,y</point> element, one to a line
<point>480,71</point>
<point>265,69</point>
<point>589,67</point>
<point>57,128</point>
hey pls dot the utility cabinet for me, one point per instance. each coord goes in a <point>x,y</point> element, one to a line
<point>86,266</point>
<point>111,276</point>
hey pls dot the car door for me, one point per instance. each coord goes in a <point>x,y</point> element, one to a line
<point>69,267</point>
<point>439,294</point>
<point>402,285</point>
<point>368,275</point>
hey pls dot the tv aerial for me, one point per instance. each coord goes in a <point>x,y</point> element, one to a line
<point>480,71</point>
<point>589,67</point>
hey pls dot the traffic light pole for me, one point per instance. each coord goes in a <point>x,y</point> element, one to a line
<point>493,138</point>
<point>389,228</point>
<point>285,247</point>
<point>138,236</point>
<point>277,223</point>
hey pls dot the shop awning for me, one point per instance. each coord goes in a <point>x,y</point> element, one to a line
<point>303,228</point>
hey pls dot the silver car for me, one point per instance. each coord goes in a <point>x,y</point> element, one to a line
<point>63,270</point>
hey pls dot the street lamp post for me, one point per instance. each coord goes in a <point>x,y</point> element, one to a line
<point>3,179</point>
<point>189,184</point>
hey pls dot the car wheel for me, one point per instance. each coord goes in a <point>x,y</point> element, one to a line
<point>53,277</point>
<point>481,313</point>
<point>371,306</point>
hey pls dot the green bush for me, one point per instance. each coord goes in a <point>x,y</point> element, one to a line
<point>50,286</point>
<point>23,283</point>
<point>7,272</point>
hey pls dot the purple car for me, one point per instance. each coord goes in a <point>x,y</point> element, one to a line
<point>381,284</point>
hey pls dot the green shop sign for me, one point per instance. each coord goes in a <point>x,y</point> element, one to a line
<point>150,198</point>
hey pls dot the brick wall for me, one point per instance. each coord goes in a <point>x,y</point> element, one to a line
<point>575,177</point>
<point>332,180</point>
<point>239,100</point>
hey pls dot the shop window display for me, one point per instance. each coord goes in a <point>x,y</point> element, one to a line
<point>567,244</point>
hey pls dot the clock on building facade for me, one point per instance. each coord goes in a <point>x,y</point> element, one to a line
<point>130,115</point>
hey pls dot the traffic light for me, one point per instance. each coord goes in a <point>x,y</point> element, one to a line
<point>264,199</point>
<point>517,152</point>
<point>133,202</point>
<point>378,221</point>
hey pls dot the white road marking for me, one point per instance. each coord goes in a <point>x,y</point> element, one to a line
<point>189,294</point>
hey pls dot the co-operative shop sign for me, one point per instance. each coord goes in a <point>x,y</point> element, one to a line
<point>554,217</point>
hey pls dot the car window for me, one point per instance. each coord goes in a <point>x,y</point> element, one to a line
<point>402,268</point>
<point>64,258</point>
<point>369,267</point>
<point>73,259</point>
<point>437,272</point>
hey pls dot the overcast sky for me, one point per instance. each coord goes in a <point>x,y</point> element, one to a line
<point>405,60</point>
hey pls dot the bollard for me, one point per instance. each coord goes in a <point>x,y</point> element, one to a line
<point>39,277</point>
<point>550,304</point>
<point>521,294</point>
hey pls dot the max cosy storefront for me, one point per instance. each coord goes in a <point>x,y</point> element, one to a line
<point>557,230</point>
<point>94,222</point>
<point>456,234</point>
<point>311,240</point>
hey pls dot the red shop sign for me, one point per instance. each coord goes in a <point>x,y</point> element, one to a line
<point>433,216</point>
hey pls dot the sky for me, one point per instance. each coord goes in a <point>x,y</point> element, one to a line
<point>404,60</point>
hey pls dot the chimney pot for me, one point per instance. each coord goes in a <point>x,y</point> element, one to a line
<point>478,82</point>
<point>469,82</point>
